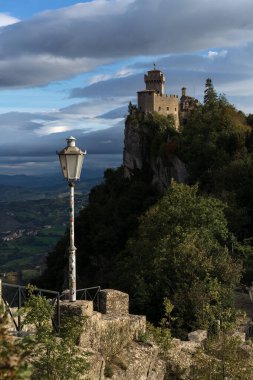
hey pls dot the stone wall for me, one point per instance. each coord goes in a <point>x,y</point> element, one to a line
<point>111,336</point>
<point>112,339</point>
<point>108,332</point>
<point>150,101</point>
<point>167,105</point>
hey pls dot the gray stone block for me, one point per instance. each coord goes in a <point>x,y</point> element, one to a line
<point>78,308</point>
<point>113,302</point>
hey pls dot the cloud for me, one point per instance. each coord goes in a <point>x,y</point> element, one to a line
<point>39,133</point>
<point>6,19</point>
<point>123,72</point>
<point>189,70</point>
<point>213,54</point>
<point>116,113</point>
<point>115,87</point>
<point>58,44</point>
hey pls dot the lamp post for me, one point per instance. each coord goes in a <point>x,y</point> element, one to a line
<point>71,160</point>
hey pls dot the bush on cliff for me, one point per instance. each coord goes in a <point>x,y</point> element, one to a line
<point>182,250</point>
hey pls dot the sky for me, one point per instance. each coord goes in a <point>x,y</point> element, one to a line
<point>71,68</point>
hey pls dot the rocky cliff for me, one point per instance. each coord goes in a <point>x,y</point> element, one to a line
<point>149,149</point>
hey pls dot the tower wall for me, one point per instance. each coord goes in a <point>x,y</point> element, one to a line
<point>155,81</point>
<point>146,101</point>
<point>167,105</point>
<point>149,101</point>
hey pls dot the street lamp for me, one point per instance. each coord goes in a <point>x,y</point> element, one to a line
<point>71,160</point>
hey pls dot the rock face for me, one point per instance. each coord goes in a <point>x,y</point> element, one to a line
<point>112,337</point>
<point>198,336</point>
<point>137,157</point>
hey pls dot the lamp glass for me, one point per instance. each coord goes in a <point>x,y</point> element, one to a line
<point>71,165</point>
<point>79,165</point>
<point>63,163</point>
<point>72,160</point>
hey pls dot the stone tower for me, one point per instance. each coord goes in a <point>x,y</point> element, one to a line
<point>155,81</point>
<point>153,99</point>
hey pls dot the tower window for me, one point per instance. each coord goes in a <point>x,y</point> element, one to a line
<point>168,108</point>
<point>175,109</point>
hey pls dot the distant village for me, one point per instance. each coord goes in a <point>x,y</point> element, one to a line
<point>10,235</point>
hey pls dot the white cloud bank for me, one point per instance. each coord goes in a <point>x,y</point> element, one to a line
<point>61,43</point>
<point>6,19</point>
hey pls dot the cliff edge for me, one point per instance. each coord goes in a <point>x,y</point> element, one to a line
<point>150,146</point>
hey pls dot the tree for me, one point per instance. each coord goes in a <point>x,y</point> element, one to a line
<point>13,352</point>
<point>221,358</point>
<point>216,147</point>
<point>216,134</point>
<point>210,96</point>
<point>53,357</point>
<point>180,251</point>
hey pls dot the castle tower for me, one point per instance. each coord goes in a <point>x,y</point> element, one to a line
<point>153,99</point>
<point>155,81</point>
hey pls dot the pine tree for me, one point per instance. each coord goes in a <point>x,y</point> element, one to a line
<point>210,96</point>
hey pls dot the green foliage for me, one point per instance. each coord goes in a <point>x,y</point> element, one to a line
<point>210,96</point>
<point>38,311</point>
<point>29,251</point>
<point>162,334</point>
<point>215,135</point>
<point>216,146</point>
<point>108,372</point>
<point>13,352</point>
<point>180,251</point>
<point>158,131</point>
<point>222,358</point>
<point>53,357</point>
<point>161,133</point>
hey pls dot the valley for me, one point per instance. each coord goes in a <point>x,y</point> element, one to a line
<point>32,220</point>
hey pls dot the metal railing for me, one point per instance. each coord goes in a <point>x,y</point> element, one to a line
<point>15,296</point>
<point>90,294</point>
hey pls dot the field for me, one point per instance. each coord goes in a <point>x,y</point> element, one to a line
<point>29,230</point>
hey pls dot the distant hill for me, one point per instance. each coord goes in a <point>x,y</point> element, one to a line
<point>18,193</point>
<point>22,187</point>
